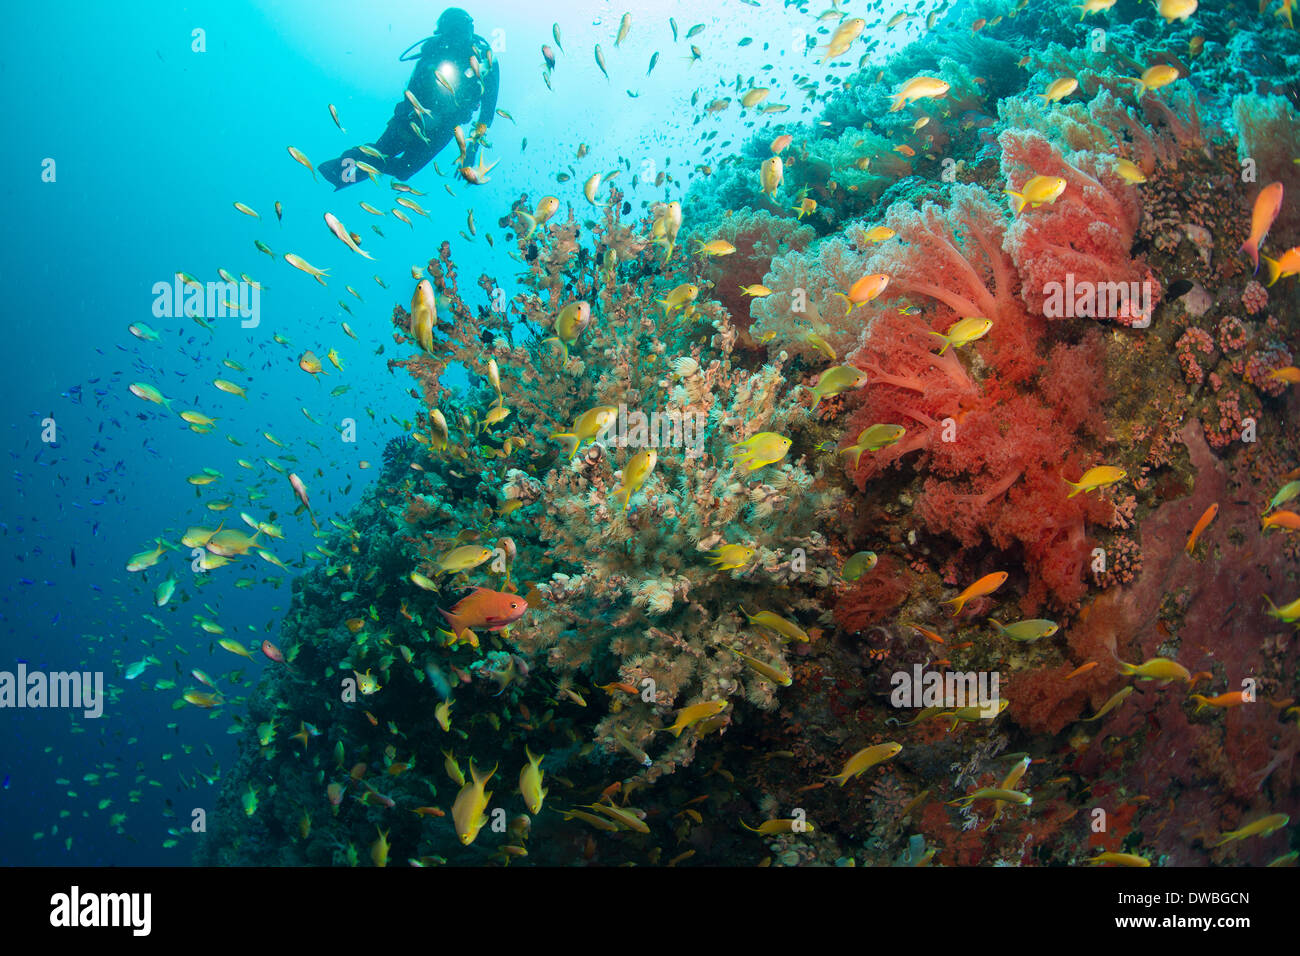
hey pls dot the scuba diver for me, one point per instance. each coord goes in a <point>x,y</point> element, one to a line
<point>455,72</point>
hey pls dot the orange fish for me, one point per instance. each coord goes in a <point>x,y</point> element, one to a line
<point>273,652</point>
<point>928,635</point>
<point>610,688</point>
<point>865,289</point>
<point>484,608</point>
<point>1282,519</point>
<point>985,585</point>
<point>1201,525</point>
<point>1081,669</point>
<point>1267,205</point>
<point>1231,699</point>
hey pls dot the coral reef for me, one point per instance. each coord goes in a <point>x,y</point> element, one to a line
<point>693,647</point>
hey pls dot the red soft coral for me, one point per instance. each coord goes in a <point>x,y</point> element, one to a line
<point>953,256</point>
<point>909,385</point>
<point>991,448</point>
<point>873,596</point>
<point>1086,233</point>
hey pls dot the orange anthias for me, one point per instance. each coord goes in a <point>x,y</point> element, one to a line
<point>984,586</point>
<point>484,608</point>
<point>1201,525</point>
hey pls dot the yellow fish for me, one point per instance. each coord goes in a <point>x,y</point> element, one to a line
<point>570,323</point>
<point>993,793</point>
<point>731,556</point>
<point>836,380</point>
<point>299,157</point>
<point>770,827</point>
<point>302,265</point>
<point>145,559</point>
<point>1026,632</point>
<point>693,714</point>
<point>1173,10</point>
<point>763,448</point>
<point>530,782</point>
<point>453,768</point>
<point>442,713</point>
<point>842,39</point>
<point>424,312</point>
<point>717,247</point>
<point>379,849</point>
<point>1157,668</point>
<point>1129,171</point>
<point>874,438</point>
<point>771,174</point>
<point>865,759</point>
<point>366,683</point>
<point>767,671</point>
<point>635,472</point>
<point>587,426</point>
<point>468,811</point>
<point>1261,827</point>
<point>919,87</point>
<point>1116,699</point>
<point>464,558</point>
<point>1153,78</point>
<point>1059,89</point>
<point>1290,613</point>
<point>774,622</point>
<point>235,647</point>
<point>1120,859</point>
<point>963,332</point>
<point>1037,191</point>
<point>1094,6</point>
<point>1099,477</point>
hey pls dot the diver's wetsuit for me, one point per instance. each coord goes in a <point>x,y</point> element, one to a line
<point>407,153</point>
